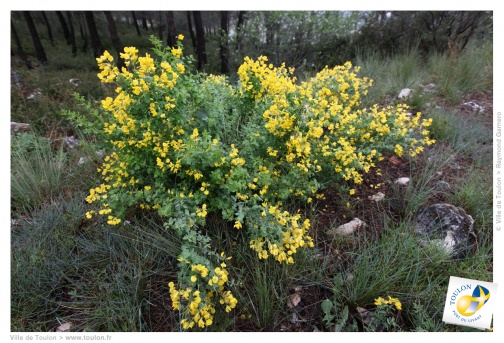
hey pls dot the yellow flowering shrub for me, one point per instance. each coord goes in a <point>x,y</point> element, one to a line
<point>186,144</point>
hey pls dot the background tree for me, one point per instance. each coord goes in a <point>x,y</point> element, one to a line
<point>64,27</point>
<point>200,40</point>
<point>191,31</point>
<point>135,21</point>
<point>48,26</point>
<point>20,47</point>
<point>116,41</point>
<point>224,46</point>
<point>39,49</point>
<point>72,33</point>
<point>83,31</point>
<point>95,37</point>
<point>172,32</point>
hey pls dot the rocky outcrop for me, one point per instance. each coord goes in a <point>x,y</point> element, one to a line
<point>447,227</point>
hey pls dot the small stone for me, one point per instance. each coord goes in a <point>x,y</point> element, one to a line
<point>474,106</point>
<point>82,160</point>
<point>406,92</point>
<point>365,315</point>
<point>443,186</point>
<point>71,142</point>
<point>36,92</point>
<point>65,327</point>
<point>75,82</point>
<point>402,181</point>
<point>16,127</point>
<point>377,197</point>
<point>348,228</point>
<point>429,88</point>
<point>293,300</point>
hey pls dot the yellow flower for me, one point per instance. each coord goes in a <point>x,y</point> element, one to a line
<point>180,37</point>
<point>238,225</point>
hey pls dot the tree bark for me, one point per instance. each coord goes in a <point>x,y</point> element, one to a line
<point>144,21</point>
<point>83,32</point>
<point>170,21</point>
<point>20,47</point>
<point>64,26</point>
<point>39,49</point>
<point>191,31</point>
<point>224,48</point>
<point>95,38</point>
<point>239,29</point>
<point>160,25</point>
<point>116,41</point>
<point>72,34</point>
<point>49,31</point>
<point>135,21</point>
<point>200,40</point>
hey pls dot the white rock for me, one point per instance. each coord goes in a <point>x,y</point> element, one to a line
<point>71,142</point>
<point>36,93</point>
<point>429,88</point>
<point>474,106</point>
<point>75,82</point>
<point>405,93</point>
<point>82,160</point>
<point>16,127</point>
<point>377,197</point>
<point>402,181</point>
<point>348,228</point>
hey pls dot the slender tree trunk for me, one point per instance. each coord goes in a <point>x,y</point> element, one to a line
<point>144,22</point>
<point>72,34</point>
<point>170,21</point>
<point>239,29</point>
<point>41,56</point>
<point>49,31</point>
<point>200,41</point>
<point>20,47</point>
<point>224,48</point>
<point>95,38</point>
<point>116,41</point>
<point>64,26</point>
<point>135,21</point>
<point>83,32</point>
<point>191,31</point>
<point>160,25</point>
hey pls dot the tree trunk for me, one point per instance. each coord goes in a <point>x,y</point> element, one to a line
<point>144,22</point>
<point>170,21</point>
<point>20,47</point>
<point>191,31</point>
<point>41,56</point>
<point>49,31</point>
<point>72,34</point>
<point>200,41</point>
<point>95,38</point>
<point>239,29</point>
<point>224,49</point>
<point>135,21</point>
<point>83,32</point>
<point>116,41</point>
<point>160,25</point>
<point>64,26</point>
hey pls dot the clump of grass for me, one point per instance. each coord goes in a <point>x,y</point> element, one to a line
<point>465,135</point>
<point>37,172</point>
<point>67,269</point>
<point>390,74</point>
<point>470,72</point>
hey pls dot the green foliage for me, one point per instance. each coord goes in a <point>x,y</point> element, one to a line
<point>37,171</point>
<point>257,146</point>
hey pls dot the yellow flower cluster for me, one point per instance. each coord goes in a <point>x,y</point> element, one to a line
<point>389,301</point>
<point>199,303</point>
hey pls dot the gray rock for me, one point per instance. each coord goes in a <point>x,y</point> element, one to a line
<point>71,142</point>
<point>16,127</point>
<point>447,227</point>
<point>406,92</point>
<point>443,186</point>
<point>474,106</point>
<point>75,82</point>
<point>348,228</point>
